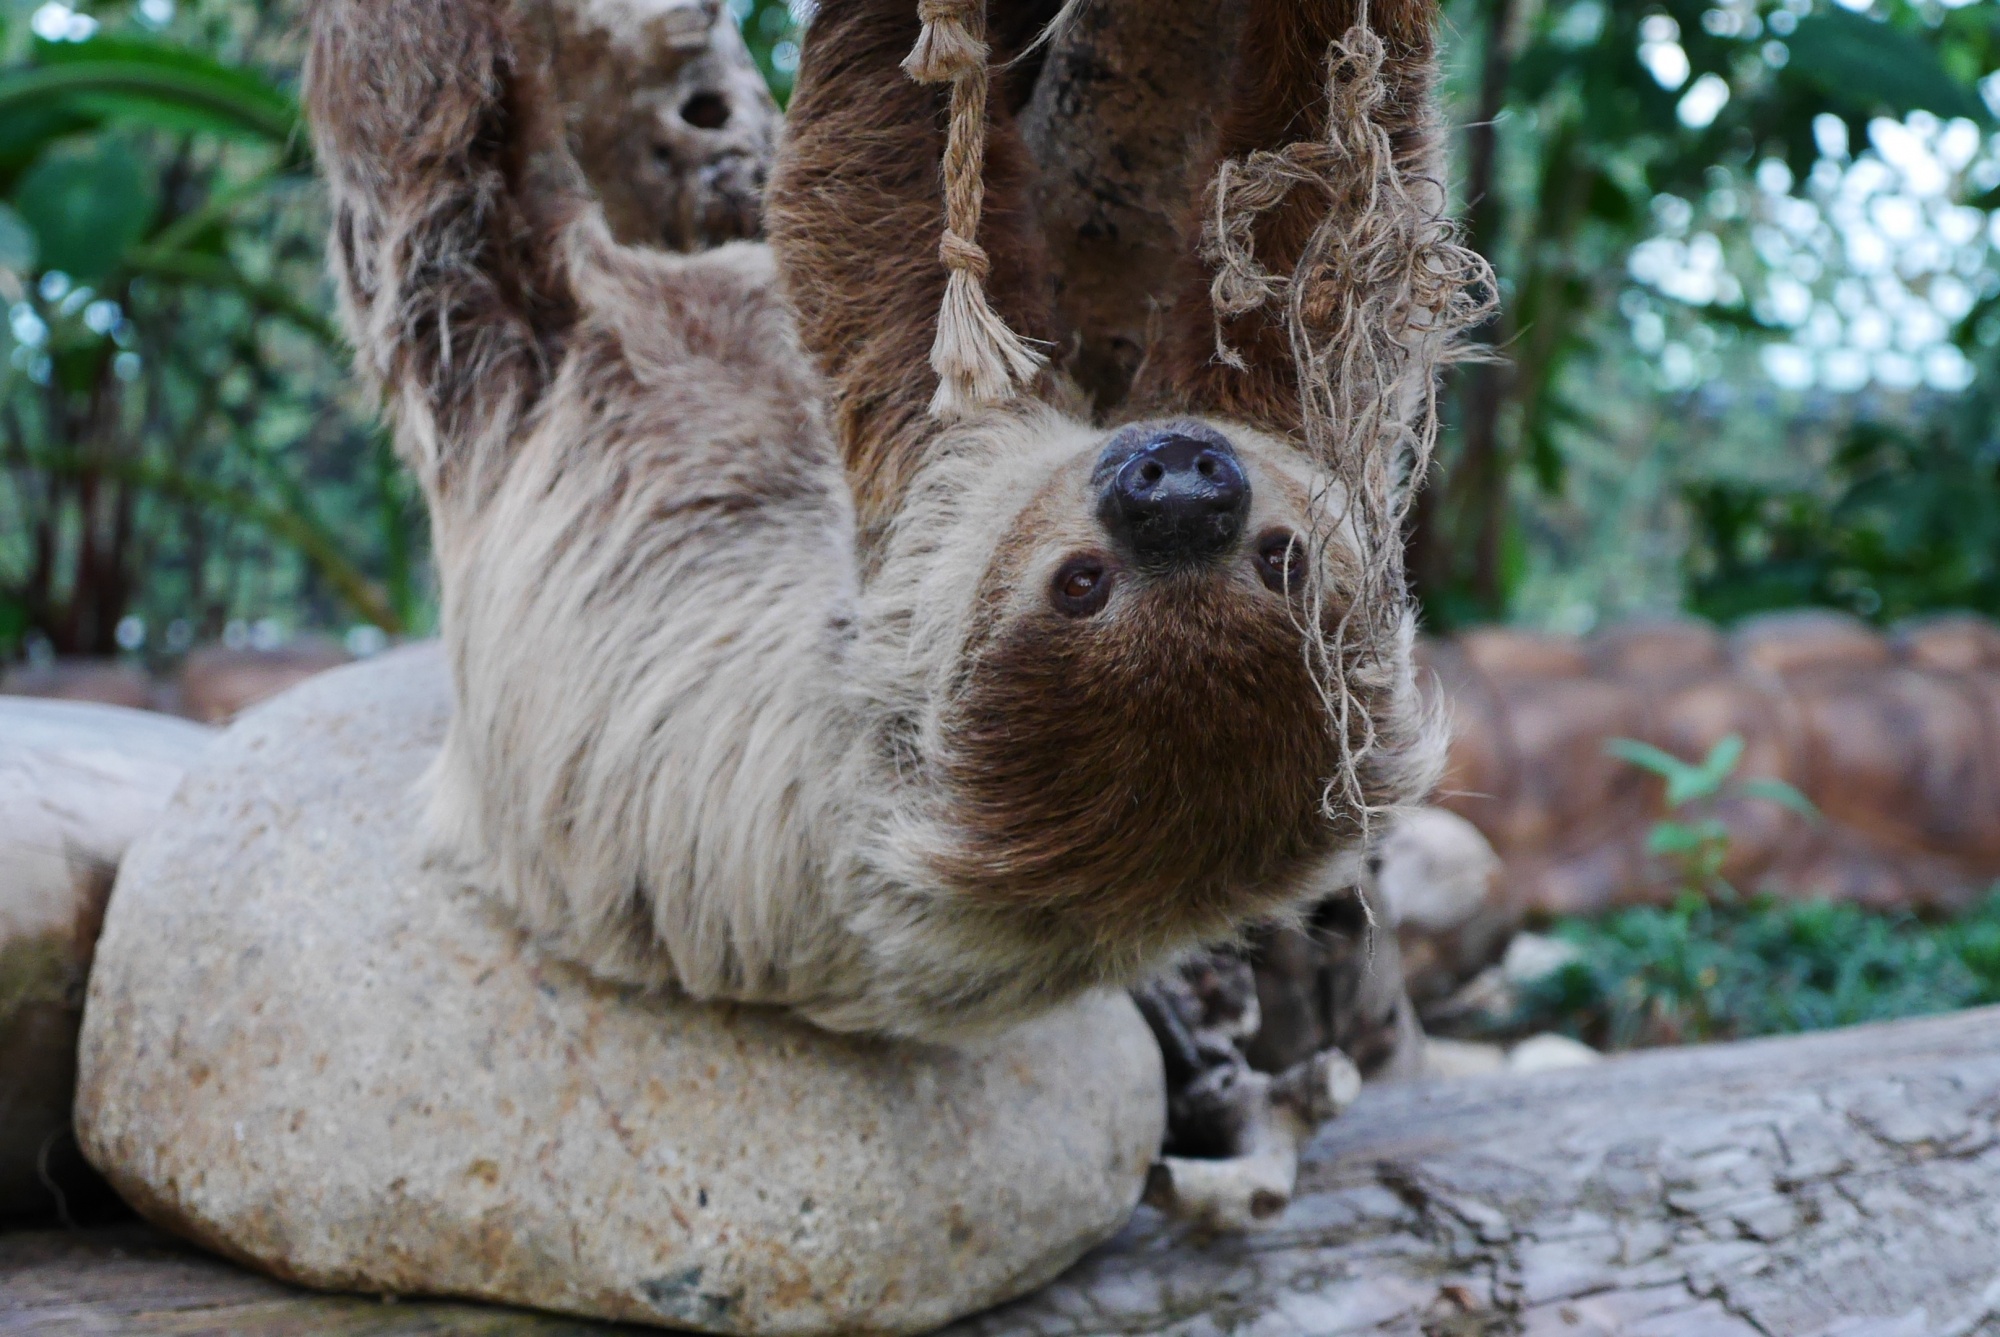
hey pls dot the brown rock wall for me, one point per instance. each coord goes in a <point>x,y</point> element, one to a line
<point>1895,738</point>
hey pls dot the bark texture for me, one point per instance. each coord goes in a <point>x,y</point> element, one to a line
<point>1838,1185</point>
<point>1845,1183</point>
<point>1123,110</point>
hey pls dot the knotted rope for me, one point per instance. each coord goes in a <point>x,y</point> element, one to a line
<point>978,359</point>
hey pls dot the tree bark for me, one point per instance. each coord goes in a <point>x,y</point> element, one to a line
<point>1125,104</point>
<point>1847,1182</point>
<point>1464,512</point>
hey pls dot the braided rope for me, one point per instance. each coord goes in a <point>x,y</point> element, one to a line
<point>978,359</point>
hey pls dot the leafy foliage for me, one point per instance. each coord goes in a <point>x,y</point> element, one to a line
<point>175,445</point>
<point>1862,64</point>
<point>771,30</point>
<point>134,80</point>
<point>1715,966</point>
<point>1578,125</point>
<point>1724,969</point>
<point>1692,837</point>
<point>1907,522</point>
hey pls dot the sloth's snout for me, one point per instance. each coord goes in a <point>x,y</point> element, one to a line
<point>1173,494</point>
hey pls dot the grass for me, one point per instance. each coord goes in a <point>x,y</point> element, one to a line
<point>1725,968</point>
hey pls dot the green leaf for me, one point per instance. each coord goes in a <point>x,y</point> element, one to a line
<point>13,622</point>
<point>1777,791</point>
<point>216,272</point>
<point>87,208</point>
<point>290,519</point>
<point>152,84</point>
<point>1647,757</point>
<point>1711,775</point>
<point>1673,838</point>
<point>26,131</point>
<point>1870,67</point>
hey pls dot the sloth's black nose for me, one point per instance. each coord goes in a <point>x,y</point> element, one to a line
<point>1172,494</point>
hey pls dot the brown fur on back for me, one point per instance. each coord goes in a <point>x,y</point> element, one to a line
<point>856,213</point>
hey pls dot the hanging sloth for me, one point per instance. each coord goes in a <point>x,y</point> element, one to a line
<point>812,644</point>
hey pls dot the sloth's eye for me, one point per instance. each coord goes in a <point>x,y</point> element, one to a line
<point>1081,587</point>
<point>1281,562</point>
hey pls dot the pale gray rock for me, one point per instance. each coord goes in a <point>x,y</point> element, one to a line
<point>1549,1052</point>
<point>1449,1059</point>
<point>1438,883</point>
<point>308,1053</point>
<point>1534,957</point>
<point>78,782</point>
<point>1435,871</point>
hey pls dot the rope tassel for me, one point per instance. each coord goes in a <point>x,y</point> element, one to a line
<point>978,359</point>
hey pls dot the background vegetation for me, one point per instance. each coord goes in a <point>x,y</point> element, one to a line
<point>180,458</point>
<point>1717,965</point>
<point>1748,284</point>
<point>1727,968</point>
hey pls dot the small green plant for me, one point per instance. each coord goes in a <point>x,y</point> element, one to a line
<point>1729,969</point>
<point>1693,838</point>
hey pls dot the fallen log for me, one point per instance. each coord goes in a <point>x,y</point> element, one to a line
<point>1842,1183</point>
<point>1845,1184</point>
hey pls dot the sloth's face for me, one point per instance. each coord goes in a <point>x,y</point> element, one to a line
<point>1132,736</point>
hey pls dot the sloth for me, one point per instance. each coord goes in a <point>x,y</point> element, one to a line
<point>775,683</point>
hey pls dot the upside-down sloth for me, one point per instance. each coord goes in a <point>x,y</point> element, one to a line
<point>773,683</point>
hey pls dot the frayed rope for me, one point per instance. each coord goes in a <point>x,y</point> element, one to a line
<point>978,359</point>
<point>1381,297</point>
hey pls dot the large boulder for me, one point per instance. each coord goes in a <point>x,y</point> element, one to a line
<point>78,783</point>
<point>1806,639</point>
<point>308,1052</point>
<point>1437,884</point>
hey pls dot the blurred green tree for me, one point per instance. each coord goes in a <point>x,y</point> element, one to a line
<point>771,29</point>
<point>173,432</point>
<point>1581,117</point>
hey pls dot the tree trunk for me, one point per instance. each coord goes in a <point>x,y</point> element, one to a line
<point>1124,106</point>
<point>1464,513</point>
